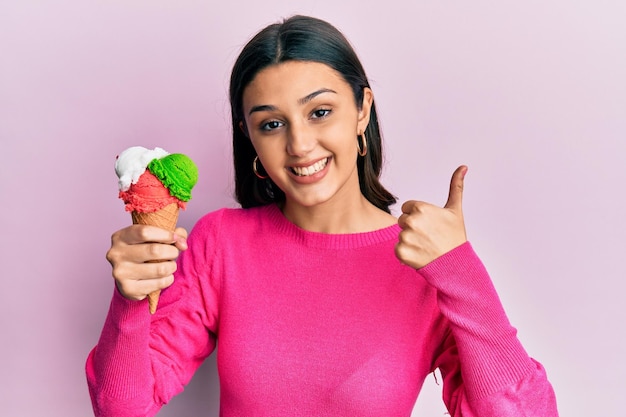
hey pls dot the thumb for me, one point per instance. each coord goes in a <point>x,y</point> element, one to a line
<point>455,196</point>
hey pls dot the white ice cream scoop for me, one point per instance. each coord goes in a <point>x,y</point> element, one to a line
<point>132,162</point>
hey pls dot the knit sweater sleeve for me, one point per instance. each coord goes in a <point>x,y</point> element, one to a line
<point>141,360</point>
<point>486,371</point>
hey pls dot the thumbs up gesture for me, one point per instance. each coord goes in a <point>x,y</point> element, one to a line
<point>429,231</point>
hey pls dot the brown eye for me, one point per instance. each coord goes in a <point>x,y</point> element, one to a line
<point>271,125</point>
<point>321,113</point>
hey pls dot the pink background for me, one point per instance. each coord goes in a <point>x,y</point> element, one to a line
<point>531,95</point>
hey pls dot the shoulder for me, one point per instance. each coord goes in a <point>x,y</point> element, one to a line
<point>227,232</point>
<point>233,220</point>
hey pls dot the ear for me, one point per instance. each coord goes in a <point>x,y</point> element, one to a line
<point>366,108</point>
<point>243,128</point>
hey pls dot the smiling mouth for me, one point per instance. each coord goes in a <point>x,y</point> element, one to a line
<point>311,169</point>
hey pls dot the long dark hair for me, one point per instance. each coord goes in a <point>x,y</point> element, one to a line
<point>300,38</point>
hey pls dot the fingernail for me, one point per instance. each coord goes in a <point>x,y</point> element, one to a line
<point>180,240</point>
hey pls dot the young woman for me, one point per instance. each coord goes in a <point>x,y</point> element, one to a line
<point>323,304</point>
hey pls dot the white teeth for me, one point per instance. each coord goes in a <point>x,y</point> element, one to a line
<point>310,170</point>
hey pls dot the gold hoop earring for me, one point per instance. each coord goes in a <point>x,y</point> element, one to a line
<point>256,171</point>
<point>361,144</point>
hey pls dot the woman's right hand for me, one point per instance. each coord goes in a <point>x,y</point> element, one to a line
<point>144,258</point>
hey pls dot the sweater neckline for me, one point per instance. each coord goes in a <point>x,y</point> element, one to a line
<point>329,240</point>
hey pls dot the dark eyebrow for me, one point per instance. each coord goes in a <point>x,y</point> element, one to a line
<point>303,100</point>
<point>264,107</point>
<point>314,94</point>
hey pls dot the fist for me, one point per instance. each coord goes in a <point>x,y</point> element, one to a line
<point>429,231</point>
<point>144,258</point>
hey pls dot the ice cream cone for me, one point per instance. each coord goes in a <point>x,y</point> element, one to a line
<point>165,218</point>
<point>154,186</point>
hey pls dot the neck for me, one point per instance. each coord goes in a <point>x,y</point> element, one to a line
<point>333,217</point>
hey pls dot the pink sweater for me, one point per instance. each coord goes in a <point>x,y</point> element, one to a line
<point>312,324</point>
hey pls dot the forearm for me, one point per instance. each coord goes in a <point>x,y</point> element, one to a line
<point>494,366</point>
<point>490,353</point>
<point>119,369</point>
<point>143,360</point>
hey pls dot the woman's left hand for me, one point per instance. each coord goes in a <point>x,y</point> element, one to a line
<point>429,231</point>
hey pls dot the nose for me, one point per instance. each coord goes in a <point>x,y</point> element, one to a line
<point>300,141</point>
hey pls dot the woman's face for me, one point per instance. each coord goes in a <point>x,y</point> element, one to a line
<point>303,122</point>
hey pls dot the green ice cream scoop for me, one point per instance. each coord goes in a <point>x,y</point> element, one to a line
<point>177,172</point>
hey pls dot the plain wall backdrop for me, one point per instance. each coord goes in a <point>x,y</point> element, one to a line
<point>531,95</point>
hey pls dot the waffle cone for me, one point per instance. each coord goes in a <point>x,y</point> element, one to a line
<point>165,218</point>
